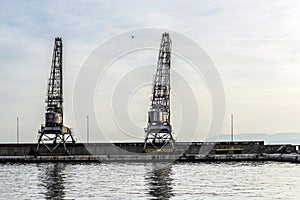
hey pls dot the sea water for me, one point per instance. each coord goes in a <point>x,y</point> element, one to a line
<point>211,180</point>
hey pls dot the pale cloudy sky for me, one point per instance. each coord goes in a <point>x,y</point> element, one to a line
<point>255,45</point>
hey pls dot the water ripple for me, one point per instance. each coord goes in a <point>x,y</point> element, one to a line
<point>246,180</point>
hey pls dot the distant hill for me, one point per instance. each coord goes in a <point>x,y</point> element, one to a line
<point>277,138</point>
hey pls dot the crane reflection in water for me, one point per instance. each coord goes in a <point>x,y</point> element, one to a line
<point>160,181</point>
<point>53,180</point>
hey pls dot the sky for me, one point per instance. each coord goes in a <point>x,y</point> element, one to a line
<point>254,45</point>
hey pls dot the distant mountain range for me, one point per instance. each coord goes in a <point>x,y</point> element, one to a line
<point>277,138</point>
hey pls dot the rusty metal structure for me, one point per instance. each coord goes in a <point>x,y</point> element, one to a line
<point>53,133</point>
<point>158,133</point>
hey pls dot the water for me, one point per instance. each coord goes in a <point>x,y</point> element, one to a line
<point>232,180</point>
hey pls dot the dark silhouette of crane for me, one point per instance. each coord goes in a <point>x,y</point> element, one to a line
<point>159,129</point>
<point>53,133</point>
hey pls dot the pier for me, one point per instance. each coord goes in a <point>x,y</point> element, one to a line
<point>134,152</point>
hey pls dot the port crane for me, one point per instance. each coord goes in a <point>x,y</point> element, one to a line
<point>158,133</point>
<point>53,133</point>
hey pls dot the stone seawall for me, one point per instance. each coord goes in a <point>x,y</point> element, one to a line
<point>182,152</point>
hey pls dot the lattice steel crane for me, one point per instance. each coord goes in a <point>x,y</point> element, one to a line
<point>158,133</point>
<point>53,133</point>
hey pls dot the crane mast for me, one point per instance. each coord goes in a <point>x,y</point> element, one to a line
<point>158,133</point>
<point>53,133</point>
<point>54,98</point>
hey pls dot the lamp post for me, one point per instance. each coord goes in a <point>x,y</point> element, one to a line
<point>18,130</point>
<point>231,128</point>
<point>87,130</point>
